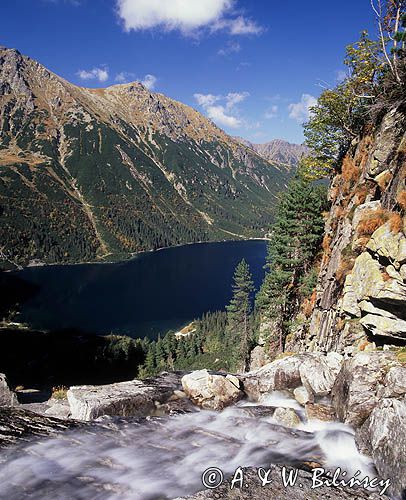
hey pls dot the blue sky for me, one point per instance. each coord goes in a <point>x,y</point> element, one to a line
<point>253,66</point>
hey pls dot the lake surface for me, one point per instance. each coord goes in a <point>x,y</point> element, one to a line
<point>144,296</point>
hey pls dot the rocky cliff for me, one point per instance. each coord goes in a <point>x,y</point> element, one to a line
<point>86,173</point>
<point>360,301</point>
<point>279,151</point>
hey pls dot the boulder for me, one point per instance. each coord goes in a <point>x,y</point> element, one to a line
<point>127,399</point>
<point>315,371</point>
<point>7,396</point>
<point>278,375</point>
<point>318,372</point>
<point>383,437</point>
<point>287,417</point>
<point>394,385</point>
<point>317,411</point>
<point>354,394</point>
<point>302,395</point>
<point>391,246</point>
<point>211,391</point>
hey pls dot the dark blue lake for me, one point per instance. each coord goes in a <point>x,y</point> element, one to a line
<point>150,294</point>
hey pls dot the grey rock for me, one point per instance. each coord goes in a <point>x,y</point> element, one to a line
<point>302,395</point>
<point>314,371</point>
<point>211,391</point>
<point>287,417</point>
<point>317,374</point>
<point>278,375</point>
<point>127,399</point>
<point>258,357</point>
<point>354,394</point>
<point>383,436</point>
<point>394,385</point>
<point>318,411</point>
<point>17,424</point>
<point>7,396</point>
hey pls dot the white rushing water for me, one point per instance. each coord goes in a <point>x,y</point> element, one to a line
<point>162,458</point>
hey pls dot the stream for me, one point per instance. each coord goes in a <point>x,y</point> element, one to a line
<point>165,457</point>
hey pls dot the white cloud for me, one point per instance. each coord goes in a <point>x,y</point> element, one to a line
<point>206,99</point>
<point>124,77</point>
<point>149,81</point>
<point>272,112</point>
<point>186,16</point>
<point>239,26</point>
<point>225,114</point>
<point>218,115</point>
<point>101,74</point>
<point>300,111</point>
<point>233,98</point>
<point>230,48</point>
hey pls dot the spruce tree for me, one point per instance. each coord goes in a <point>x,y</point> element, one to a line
<point>239,309</point>
<point>295,238</point>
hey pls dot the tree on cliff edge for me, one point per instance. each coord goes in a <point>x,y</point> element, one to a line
<point>294,242</point>
<point>239,309</point>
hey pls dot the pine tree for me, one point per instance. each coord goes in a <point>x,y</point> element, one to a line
<point>239,309</point>
<point>295,239</point>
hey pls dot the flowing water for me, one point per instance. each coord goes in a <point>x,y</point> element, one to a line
<point>165,457</point>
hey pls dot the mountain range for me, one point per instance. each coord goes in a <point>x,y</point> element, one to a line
<point>278,151</point>
<point>88,174</point>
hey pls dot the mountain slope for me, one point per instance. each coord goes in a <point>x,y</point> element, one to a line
<point>86,173</point>
<point>278,151</point>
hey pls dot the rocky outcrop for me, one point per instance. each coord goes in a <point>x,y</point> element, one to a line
<point>134,398</point>
<point>212,391</point>
<point>7,396</point>
<point>361,291</point>
<point>383,437</point>
<point>17,424</point>
<point>355,391</point>
<point>315,371</point>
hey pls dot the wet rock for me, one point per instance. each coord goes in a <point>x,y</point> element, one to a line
<point>211,391</point>
<point>354,394</point>
<point>317,411</point>
<point>17,425</point>
<point>174,407</point>
<point>302,490</point>
<point>287,417</point>
<point>302,395</point>
<point>383,437</point>
<point>7,396</point>
<point>259,411</point>
<point>133,398</point>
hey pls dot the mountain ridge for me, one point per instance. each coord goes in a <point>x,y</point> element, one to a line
<point>283,152</point>
<point>88,173</point>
